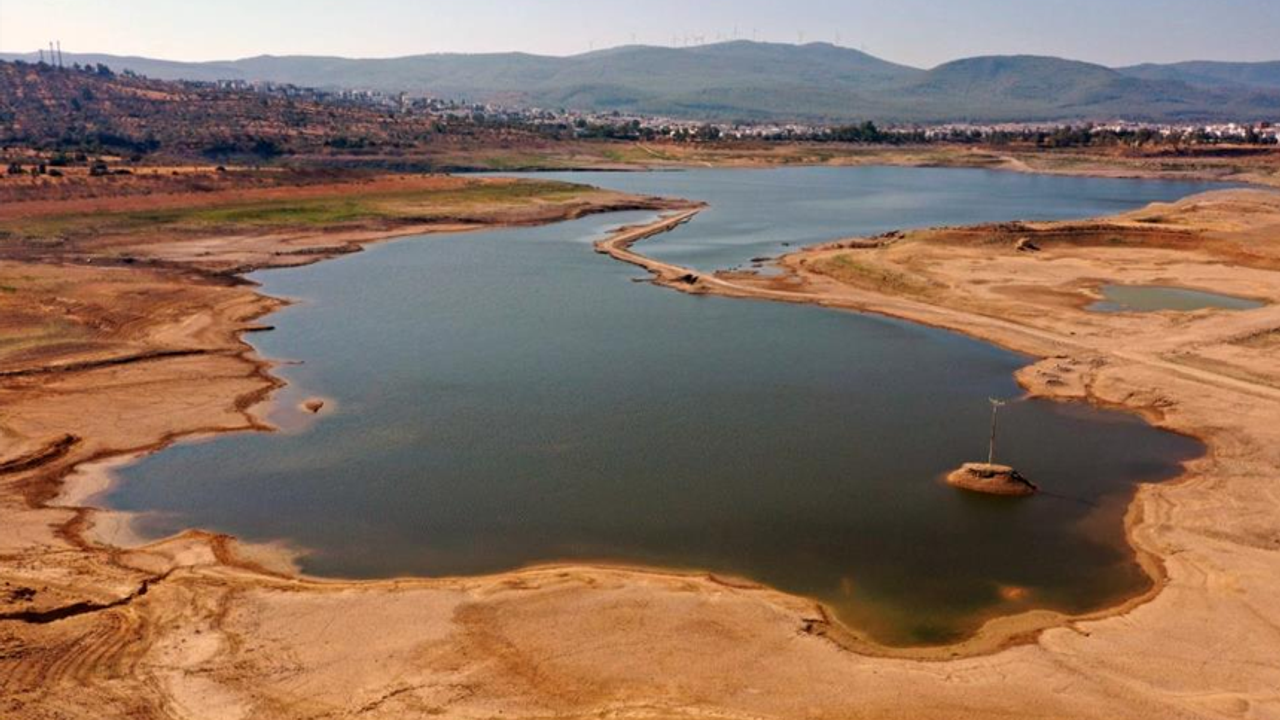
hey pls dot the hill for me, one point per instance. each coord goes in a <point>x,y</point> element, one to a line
<point>1261,75</point>
<point>98,112</point>
<point>743,80</point>
<point>1027,87</point>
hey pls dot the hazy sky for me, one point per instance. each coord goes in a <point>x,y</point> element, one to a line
<point>915,32</point>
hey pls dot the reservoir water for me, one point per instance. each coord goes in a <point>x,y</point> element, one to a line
<point>509,397</point>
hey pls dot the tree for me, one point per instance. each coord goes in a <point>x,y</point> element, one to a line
<point>266,148</point>
<point>707,133</point>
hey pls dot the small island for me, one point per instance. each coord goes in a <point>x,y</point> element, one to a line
<point>992,479</point>
<point>989,477</point>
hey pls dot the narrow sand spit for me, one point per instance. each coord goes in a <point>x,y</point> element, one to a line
<point>201,626</point>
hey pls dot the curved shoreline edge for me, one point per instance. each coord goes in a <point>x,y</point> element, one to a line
<point>92,526</point>
<point>996,635</point>
<point>1002,631</point>
<point>999,632</point>
<point>993,635</point>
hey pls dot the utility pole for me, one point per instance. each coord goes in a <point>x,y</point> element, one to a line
<point>991,447</point>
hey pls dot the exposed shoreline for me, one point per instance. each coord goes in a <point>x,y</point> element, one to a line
<point>93,478</point>
<point>1005,630</point>
<point>226,563</point>
<point>995,634</point>
<point>1257,171</point>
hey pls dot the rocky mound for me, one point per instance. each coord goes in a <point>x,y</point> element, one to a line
<point>991,479</point>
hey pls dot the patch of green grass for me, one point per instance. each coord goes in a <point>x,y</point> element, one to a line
<point>633,155</point>
<point>316,212</point>
<point>519,161</point>
<point>846,269</point>
<point>517,192</point>
<point>308,212</point>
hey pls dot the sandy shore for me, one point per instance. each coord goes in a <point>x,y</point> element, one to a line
<point>1209,374</point>
<point>199,626</point>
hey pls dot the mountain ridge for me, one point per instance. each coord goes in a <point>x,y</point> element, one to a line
<point>750,81</point>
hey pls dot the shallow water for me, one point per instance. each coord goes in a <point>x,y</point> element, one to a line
<point>1151,298</point>
<point>510,397</point>
<point>765,213</point>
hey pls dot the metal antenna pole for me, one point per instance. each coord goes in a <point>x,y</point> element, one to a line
<point>991,448</point>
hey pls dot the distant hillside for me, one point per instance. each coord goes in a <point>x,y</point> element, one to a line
<point>1027,87</point>
<point>1261,75</point>
<point>766,81</point>
<point>619,75</point>
<point>96,113</point>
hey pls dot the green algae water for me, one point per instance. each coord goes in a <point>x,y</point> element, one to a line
<point>1153,298</point>
<point>508,398</point>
